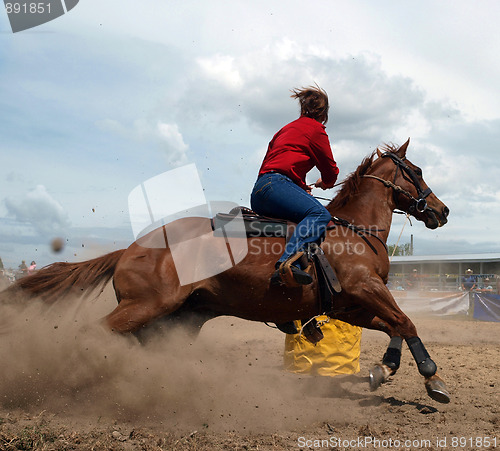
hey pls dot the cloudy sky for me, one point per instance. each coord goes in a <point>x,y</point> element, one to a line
<point>116,92</point>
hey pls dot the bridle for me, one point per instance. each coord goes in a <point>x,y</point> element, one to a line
<point>420,203</point>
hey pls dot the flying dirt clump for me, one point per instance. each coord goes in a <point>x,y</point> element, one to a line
<point>57,245</point>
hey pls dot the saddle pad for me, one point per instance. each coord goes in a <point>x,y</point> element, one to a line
<point>255,226</point>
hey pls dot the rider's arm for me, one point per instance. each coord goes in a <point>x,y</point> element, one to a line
<point>322,151</point>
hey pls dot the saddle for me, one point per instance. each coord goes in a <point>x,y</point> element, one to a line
<point>262,226</point>
<point>255,225</point>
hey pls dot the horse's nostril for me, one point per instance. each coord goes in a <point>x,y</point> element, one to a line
<point>446,212</point>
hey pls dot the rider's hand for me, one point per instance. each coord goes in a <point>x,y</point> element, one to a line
<point>319,184</point>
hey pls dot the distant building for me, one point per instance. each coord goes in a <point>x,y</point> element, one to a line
<point>444,272</point>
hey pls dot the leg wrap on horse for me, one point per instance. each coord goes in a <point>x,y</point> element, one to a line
<point>426,366</point>
<point>392,357</point>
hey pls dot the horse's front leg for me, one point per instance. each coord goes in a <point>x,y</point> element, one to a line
<point>389,318</point>
<point>391,360</point>
<point>379,374</point>
<point>436,388</point>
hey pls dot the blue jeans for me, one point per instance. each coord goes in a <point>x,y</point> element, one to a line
<point>277,196</point>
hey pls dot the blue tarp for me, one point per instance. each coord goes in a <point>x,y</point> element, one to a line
<point>487,307</point>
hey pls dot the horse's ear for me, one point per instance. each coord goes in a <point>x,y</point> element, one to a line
<point>379,153</point>
<point>402,150</point>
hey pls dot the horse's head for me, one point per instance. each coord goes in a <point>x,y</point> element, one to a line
<point>410,192</point>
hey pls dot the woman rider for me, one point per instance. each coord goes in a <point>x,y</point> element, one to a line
<point>281,190</point>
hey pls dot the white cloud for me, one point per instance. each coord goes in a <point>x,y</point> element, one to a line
<point>221,68</point>
<point>174,145</point>
<point>166,135</point>
<point>217,90</point>
<point>365,101</point>
<point>40,210</point>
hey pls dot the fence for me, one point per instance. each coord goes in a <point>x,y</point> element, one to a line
<point>440,282</point>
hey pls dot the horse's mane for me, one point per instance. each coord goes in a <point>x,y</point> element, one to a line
<point>351,183</point>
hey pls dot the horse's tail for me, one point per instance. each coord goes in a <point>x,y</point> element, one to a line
<point>59,279</point>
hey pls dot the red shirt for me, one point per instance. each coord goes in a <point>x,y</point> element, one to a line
<point>297,148</point>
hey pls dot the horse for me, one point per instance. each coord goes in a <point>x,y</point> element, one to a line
<point>149,291</point>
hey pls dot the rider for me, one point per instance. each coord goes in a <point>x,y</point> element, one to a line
<point>281,190</point>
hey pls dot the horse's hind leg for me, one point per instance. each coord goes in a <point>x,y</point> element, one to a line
<point>144,297</point>
<point>189,322</point>
<point>132,314</point>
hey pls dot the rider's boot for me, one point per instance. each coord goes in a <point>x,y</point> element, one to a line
<point>275,277</point>
<point>290,272</point>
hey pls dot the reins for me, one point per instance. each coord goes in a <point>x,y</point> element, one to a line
<point>334,186</point>
<point>419,204</point>
<point>399,237</point>
<point>360,231</point>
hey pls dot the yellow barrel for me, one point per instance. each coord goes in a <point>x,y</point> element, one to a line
<point>337,353</point>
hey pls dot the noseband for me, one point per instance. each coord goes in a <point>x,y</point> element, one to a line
<point>419,204</point>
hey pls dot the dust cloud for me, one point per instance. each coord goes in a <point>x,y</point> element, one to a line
<point>59,359</point>
<point>65,377</point>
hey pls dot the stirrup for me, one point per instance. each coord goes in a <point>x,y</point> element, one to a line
<point>312,331</point>
<point>293,276</point>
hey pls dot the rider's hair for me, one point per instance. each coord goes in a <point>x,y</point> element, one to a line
<point>313,102</point>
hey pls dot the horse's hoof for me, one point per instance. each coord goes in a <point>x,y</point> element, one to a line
<point>436,389</point>
<point>378,375</point>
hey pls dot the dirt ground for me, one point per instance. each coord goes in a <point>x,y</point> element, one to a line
<point>66,384</point>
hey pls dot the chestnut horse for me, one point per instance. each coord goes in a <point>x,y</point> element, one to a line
<point>149,291</point>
